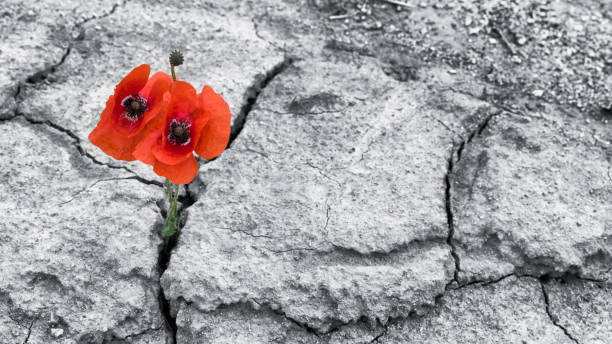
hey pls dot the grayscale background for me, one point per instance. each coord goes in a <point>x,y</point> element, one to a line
<point>418,172</point>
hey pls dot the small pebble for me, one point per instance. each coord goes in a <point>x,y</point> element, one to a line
<point>57,332</point>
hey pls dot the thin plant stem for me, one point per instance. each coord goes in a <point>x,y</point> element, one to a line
<point>173,194</point>
<point>172,71</point>
<point>170,200</point>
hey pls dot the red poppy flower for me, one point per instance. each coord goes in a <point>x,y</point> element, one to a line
<point>199,122</point>
<point>137,102</point>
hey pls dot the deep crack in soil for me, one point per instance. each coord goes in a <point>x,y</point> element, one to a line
<point>163,260</point>
<point>453,160</point>
<point>549,313</point>
<point>252,93</point>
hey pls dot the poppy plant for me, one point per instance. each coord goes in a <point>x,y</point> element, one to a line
<point>161,122</point>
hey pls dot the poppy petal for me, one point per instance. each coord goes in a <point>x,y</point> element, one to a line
<point>184,98</point>
<point>133,82</point>
<point>215,134</point>
<point>157,85</point>
<point>103,136</point>
<point>156,91</point>
<point>105,121</point>
<point>117,146</point>
<point>181,173</point>
<point>169,156</point>
<point>144,149</point>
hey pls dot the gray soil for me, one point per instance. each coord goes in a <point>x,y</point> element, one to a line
<point>419,172</point>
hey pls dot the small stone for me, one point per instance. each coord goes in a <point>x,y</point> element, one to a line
<point>57,332</point>
<point>538,93</point>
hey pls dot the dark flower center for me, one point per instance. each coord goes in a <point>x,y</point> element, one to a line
<point>135,107</point>
<point>179,132</point>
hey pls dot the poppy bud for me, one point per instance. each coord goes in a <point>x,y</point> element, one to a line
<point>176,58</point>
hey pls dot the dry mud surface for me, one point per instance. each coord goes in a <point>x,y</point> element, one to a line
<point>437,172</point>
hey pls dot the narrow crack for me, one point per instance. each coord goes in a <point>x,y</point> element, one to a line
<point>94,184</point>
<point>453,160</point>
<point>541,280</point>
<point>251,95</point>
<point>112,10</point>
<point>450,218</point>
<point>110,337</point>
<point>280,312</point>
<point>41,75</point>
<point>255,22</point>
<point>163,261</point>
<point>442,123</point>
<point>29,332</point>
<point>484,283</point>
<point>550,315</point>
<point>77,144</point>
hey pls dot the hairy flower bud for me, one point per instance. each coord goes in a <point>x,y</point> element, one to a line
<point>176,58</point>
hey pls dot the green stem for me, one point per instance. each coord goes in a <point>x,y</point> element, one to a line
<point>171,225</point>
<point>172,70</point>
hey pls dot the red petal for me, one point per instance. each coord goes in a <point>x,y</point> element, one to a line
<point>215,134</point>
<point>184,98</point>
<point>144,149</point>
<point>170,155</point>
<point>181,173</point>
<point>133,82</point>
<point>105,138</point>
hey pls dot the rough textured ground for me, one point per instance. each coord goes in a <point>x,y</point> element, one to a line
<point>432,173</point>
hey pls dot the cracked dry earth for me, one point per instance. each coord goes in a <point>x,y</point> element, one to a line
<point>439,173</point>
